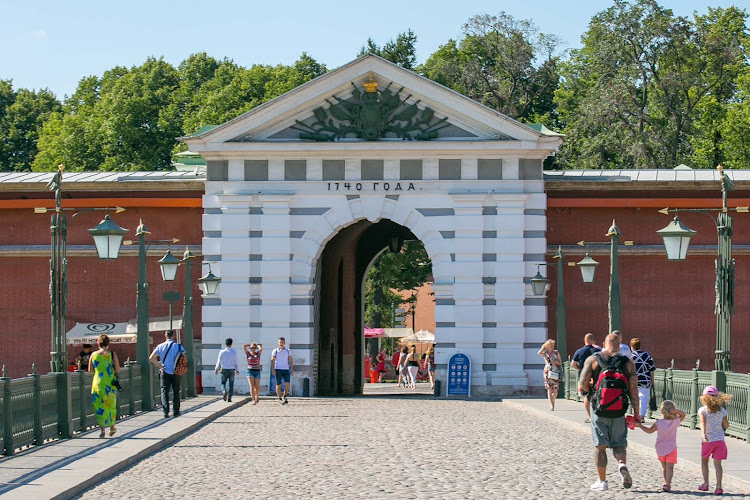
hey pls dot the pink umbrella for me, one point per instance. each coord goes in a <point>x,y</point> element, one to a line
<point>373,332</point>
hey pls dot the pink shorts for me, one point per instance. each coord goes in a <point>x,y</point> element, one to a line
<point>670,458</point>
<point>717,449</point>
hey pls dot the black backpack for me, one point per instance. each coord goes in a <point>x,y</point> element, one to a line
<point>611,397</point>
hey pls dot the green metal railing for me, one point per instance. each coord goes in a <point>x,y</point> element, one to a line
<point>684,388</point>
<point>39,408</point>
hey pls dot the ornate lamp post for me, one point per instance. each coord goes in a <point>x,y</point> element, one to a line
<point>676,241</point>
<point>107,238</point>
<point>588,266</point>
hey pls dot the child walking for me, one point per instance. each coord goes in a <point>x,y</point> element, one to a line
<point>666,439</point>
<point>713,422</point>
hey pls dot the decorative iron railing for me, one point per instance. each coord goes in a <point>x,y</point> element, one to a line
<point>40,408</point>
<point>684,388</point>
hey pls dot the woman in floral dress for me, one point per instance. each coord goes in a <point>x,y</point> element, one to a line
<point>105,367</point>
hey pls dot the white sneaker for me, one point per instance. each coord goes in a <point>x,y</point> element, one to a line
<point>600,486</point>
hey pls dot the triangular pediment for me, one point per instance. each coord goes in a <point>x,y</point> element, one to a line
<point>367,100</point>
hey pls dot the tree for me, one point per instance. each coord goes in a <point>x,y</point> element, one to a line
<point>393,273</point>
<point>22,115</point>
<point>632,96</point>
<point>504,63</point>
<point>401,51</point>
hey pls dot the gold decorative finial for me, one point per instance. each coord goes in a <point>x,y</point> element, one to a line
<point>371,85</point>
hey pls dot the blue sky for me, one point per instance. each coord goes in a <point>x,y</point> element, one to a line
<point>53,44</point>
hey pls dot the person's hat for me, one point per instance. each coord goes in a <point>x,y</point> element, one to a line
<point>710,391</point>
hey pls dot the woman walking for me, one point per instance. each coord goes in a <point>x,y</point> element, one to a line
<point>380,359</point>
<point>552,370</point>
<point>430,362</point>
<point>105,367</point>
<point>412,364</point>
<point>644,368</point>
<point>403,376</point>
<point>252,353</point>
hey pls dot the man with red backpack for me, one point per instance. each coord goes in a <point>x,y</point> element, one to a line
<point>615,384</point>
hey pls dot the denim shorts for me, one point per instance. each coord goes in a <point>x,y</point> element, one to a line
<point>253,373</point>
<point>282,376</point>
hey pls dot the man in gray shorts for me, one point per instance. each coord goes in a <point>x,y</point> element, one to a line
<point>610,432</point>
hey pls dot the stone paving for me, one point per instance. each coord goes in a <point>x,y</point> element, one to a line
<point>374,447</point>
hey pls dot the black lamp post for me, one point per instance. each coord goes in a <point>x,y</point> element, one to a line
<point>676,238</point>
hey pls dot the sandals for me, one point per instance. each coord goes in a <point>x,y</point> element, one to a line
<point>665,488</point>
<point>719,491</point>
<point>112,431</point>
<point>101,434</point>
<point>703,487</point>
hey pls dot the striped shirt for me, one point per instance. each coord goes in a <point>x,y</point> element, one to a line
<point>253,360</point>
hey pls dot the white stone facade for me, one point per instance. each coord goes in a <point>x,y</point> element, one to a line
<point>477,204</point>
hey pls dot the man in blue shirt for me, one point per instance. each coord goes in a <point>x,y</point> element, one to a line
<point>164,357</point>
<point>579,358</point>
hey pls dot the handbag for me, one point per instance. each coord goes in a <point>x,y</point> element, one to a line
<point>552,371</point>
<point>652,400</point>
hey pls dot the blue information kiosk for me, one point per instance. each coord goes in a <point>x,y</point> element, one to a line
<point>459,375</point>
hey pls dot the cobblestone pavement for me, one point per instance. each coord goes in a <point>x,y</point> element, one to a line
<point>369,447</point>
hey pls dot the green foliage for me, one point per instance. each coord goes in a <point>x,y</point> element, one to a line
<point>401,51</point>
<point>649,89</point>
<point>129,118</point>
<point>505,63</point>
<point>393,273</point>
<point>22,115</point>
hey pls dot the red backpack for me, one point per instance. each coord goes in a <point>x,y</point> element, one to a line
<point>611,396</point>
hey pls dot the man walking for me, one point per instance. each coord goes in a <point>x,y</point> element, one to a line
<point>164,357</point>
<point>624,350</point>
<point>620,382</point>
<point>579,358</point>
<point>282,369</point>
<point>227,362</point>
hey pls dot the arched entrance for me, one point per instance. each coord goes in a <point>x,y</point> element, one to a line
<point>342,268</point>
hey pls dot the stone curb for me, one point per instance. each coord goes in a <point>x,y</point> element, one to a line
<point>727,480</point>
<point>127,459</point>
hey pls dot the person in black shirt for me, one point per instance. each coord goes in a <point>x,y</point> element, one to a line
<point>577,362</point>
<point>83,357</point>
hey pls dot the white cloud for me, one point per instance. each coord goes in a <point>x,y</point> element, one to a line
<point>39,34</point>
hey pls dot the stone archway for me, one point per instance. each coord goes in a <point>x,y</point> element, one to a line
<point>338,332</point>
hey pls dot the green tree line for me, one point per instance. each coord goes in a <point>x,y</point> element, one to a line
<point>646,89</point>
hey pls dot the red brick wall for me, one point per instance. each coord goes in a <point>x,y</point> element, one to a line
<point>98,290</point>
<point>668,305</point>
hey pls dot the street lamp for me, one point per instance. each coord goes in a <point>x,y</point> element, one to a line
<point>588,266</point>
<point>676,238</point>
<point>208,282</point>
<point>107,237</point>
<point>168,264</point>
<point>538,286</point>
